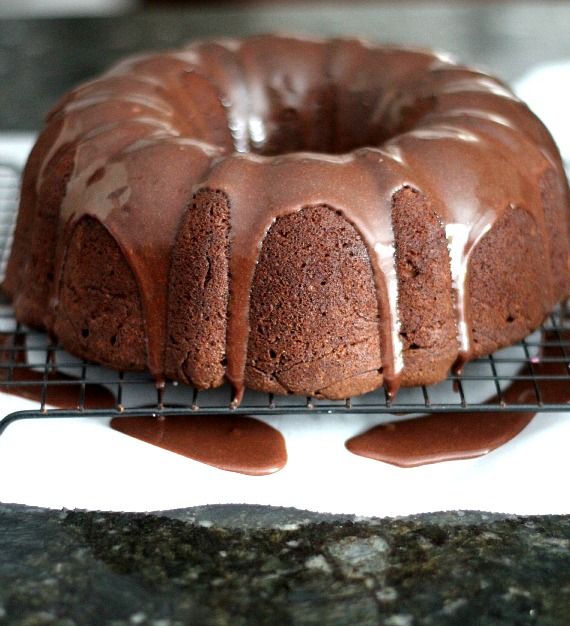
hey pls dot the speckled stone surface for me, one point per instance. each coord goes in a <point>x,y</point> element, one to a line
<point>255,565</point>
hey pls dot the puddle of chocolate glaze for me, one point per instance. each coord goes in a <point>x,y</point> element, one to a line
<point>63,396</point>
<point>230,442</point>
<point>438,437</point>
<point>451,436</point>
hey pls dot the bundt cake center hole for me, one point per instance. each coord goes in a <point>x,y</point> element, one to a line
<point>277,144</point>
<point>318,128</point>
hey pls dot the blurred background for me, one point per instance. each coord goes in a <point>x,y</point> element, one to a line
<point>47,46</point>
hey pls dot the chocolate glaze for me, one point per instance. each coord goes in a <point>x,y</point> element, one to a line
<point>451,436</point>
<point>229,442</point>
<point>214,111</point>
<point>63,396</point>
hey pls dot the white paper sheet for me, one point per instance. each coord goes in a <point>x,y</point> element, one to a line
<point>82,463</point>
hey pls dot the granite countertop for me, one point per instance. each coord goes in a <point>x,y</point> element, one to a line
<point>255,565</point>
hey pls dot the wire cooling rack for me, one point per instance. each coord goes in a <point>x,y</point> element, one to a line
<point>481,388</point>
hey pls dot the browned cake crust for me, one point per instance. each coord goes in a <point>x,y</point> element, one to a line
<point>314,317</point>
<point>425,296</point>
<point>196,349</point>
<point>101,314</point>
<point>291,215</point>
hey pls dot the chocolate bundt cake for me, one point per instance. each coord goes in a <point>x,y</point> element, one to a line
<point>291,215</point>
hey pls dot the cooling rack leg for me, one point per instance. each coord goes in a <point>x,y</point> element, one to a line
<point>15,417</point>
<point>10,419</point>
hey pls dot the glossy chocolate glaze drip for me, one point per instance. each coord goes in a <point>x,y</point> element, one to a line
<point>452,436</point>
<point>13,352</point>
<point>474,170</point>
<point>146,245</point>
<point>261,190</point>
<point>233,443</point>
<point>157,128</point>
